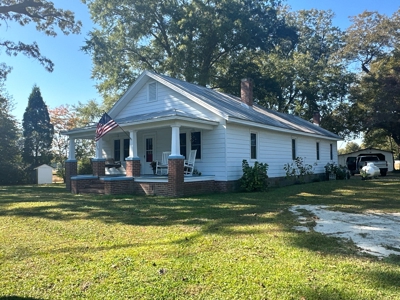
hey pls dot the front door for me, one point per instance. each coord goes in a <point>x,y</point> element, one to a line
<point>149,154</point>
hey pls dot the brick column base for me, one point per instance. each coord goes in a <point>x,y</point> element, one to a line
<point>99,166</point>
<point>133,166</point>
<point>71,169</point>
<point>175,176</point>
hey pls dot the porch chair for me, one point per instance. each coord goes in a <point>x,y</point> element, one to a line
<point>162,166</point>
<point>188,165</point>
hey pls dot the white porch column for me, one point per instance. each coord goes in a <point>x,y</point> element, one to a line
<point>98,149</point>
<point>175,146</point>
<point>71,150</point>
<point>133,143</point>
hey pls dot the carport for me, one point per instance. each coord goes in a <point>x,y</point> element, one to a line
<point>382,154</point>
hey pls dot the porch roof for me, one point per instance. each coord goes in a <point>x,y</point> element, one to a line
<point>149,120</point>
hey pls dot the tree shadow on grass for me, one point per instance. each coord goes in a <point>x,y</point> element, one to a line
<point>55,203</point>
<point>218,214</point>
<point>17,298</point>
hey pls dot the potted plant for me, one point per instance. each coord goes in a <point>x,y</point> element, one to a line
<point>153,165</point>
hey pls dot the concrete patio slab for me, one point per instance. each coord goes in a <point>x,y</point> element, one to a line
<point>375,233</point>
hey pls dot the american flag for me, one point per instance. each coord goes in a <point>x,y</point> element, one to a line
<point>105,125</point>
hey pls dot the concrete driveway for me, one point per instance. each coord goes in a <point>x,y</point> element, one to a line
<point>374,233</point>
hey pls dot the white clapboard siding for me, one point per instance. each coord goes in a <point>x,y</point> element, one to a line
<point>167,99</point>
<point>275,149</point>
<point>213,158</point>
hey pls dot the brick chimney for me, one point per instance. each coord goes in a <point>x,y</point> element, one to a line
<point>316,118</point>
<point>246,91</point>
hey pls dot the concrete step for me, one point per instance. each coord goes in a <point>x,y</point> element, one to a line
<point>95,186</point>
<point>90,190</point>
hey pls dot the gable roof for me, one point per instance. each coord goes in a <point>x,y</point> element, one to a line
<point>229,107</point>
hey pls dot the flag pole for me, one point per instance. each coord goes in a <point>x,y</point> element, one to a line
<point>123,130</point>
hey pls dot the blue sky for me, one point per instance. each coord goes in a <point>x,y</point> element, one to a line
<point>70,81</point>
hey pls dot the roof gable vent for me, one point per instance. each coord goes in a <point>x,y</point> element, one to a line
<point>152,92</point>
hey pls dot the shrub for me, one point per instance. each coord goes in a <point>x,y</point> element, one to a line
<point>331,168</point>
<point>298,168</point>
<point>340,171</point>
<point>254,178</point>
<point>85,166</point>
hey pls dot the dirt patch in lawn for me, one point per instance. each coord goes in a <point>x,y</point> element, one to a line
<point>374,233</point>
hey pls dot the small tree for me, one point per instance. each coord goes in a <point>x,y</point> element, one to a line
<point>37,131</point>
<point>63,119</point>
<point>254,178</point>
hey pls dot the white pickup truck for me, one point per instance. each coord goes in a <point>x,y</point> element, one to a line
<point>355,164</point>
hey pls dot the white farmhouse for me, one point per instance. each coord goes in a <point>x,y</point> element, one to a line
<point>159,114</point>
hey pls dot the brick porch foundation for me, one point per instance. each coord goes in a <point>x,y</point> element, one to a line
<point>133,167</point>
<point>99,166</point>
<point>71,169</point>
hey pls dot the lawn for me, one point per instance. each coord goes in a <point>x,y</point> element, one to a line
<point>56,245</point>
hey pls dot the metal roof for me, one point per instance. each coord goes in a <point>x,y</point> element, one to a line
<point>229,107</point>
<point>158,115</point>
<point>233,108</point>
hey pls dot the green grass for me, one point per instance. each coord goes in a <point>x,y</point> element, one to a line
<point>56,245</point>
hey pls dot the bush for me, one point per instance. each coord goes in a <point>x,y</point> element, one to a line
<point>254,178</point>
<point>340,171</point>
<point>298,168</point>
<point>12,174</point>
<point>85,166</point>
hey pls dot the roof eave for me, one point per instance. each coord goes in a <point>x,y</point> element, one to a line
<point>274,128</point>
<point>144,124</point>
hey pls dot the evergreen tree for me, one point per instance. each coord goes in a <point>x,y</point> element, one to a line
<point>37,131</point>
<point>10,173</point>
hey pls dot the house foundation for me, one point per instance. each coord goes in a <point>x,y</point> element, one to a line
<point>71,169</point>
<point>99,166</point>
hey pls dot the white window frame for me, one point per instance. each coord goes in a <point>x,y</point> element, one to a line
<point>256,134</point>
<point>295,148</point>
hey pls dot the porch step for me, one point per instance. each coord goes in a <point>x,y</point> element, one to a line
<point>96,187</point>
<point>92,191</point>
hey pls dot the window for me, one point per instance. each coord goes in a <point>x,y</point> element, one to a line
<point>195,140</point>
<point>253,145</point>
<point>126,148</point>
<point>117,150</point>
<point>331,151</point>
<point>317,145</point>
<point>182,144</point>
<point>152,91</point>
<point>294,149</point>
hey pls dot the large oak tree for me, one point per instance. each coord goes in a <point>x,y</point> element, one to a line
<point>194,40</point>
<point>377,99</point>
<point>47,19</point>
